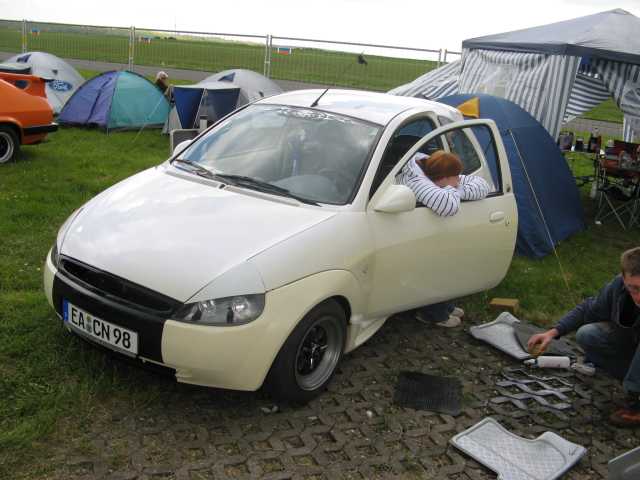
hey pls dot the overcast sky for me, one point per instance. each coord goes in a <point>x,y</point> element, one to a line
<point>409,23</point>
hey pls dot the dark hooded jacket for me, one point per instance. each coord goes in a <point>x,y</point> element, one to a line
<point>612,304</point>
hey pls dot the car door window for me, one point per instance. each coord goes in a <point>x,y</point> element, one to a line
<point>403,139</point>
<point>476,148</point>
<point>460,144</point>
<point>487,154</point>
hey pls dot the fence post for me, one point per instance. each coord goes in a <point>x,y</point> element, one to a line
<point>24,36</point>
<point>267,57</point>
<point>439,57</point>
<point>132,45</point>
<point>445,56</point>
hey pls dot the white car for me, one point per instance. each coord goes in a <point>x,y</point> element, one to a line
<point>278,240</point>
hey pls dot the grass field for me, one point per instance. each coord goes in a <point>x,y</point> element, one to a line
<point>51,383</point>
<point>304,64</point>
<point>607,111</point>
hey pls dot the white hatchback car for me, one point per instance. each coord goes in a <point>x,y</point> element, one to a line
<point>278,240</point>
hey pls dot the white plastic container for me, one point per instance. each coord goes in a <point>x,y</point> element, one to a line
<point>549,362</point>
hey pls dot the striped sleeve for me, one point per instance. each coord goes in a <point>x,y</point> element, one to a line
<point>443,201</point>
<point>472,187</point>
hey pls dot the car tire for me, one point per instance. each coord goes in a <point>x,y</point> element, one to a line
<point>308,359</point>
<point>9,144</point>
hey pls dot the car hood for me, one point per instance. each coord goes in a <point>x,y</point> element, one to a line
<point>175,235</point>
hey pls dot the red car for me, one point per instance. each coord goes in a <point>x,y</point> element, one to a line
<point>25,114</point>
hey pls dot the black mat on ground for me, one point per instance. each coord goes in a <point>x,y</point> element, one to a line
<point>561,347</point>
<point>428,392</point>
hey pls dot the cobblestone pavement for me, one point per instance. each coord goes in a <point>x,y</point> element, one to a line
<point>352,431</point>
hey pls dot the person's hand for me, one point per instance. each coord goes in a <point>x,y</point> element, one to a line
<point>541,341</point>
<point>452,181</point>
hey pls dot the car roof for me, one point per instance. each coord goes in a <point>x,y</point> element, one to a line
<point>373,107</point>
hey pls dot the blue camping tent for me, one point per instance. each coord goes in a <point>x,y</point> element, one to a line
<point>539,172</point>
<point>116,100</point>
<point>213,99</point>
<point>216,96</point>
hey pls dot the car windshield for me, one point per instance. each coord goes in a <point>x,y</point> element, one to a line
<point>307,154</point>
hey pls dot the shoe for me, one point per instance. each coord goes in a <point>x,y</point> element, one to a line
<point>457,312</point>
<point>450,322</point>
<point>629,415</point>
<point>625,417</point>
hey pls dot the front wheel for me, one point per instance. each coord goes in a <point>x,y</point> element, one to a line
<point>9,144</point>
<point>308,359</point>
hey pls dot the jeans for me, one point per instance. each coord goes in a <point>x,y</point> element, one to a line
<point>438,312</point>
<point>614,349</point>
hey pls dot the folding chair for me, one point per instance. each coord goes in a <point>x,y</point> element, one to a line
<point>634,221</point>
<point>620,201</point>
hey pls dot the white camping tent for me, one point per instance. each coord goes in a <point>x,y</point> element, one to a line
<point>65,80</point>
<point>554,72</point>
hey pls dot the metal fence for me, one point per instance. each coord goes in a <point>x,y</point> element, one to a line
<point>326,62</point>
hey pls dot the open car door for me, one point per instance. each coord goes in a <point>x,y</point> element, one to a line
<point>422,258</point>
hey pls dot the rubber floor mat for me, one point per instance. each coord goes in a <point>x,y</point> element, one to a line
<point>428,392</point>
<point>501,334</point>
<point>515,458</point>
<point>625,466</point>
<point>560,347</point>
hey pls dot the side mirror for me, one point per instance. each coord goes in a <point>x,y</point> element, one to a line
<point>396,199</point>
<point>181,146</point>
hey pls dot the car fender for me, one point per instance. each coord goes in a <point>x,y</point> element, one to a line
<point>239,357</point>
<point>14,123</point>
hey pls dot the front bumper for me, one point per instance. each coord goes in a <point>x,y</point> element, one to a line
<point>234,357</point>
<point>38,129</point>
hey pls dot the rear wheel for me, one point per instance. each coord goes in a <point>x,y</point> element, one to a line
<point>309,357</point>
<point>9,144</point>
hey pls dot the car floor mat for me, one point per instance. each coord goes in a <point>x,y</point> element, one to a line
<point>560,347</point>
<point>501,334</point>
<point>625,466</point>
<point>421,391</point>
<point>515,458</point>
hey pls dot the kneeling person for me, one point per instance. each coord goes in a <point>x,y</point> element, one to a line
<point>608,329</point>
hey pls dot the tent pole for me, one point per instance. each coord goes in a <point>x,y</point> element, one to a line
<point>197,119</point>
<point>148,117</point>
<point>544,221</point>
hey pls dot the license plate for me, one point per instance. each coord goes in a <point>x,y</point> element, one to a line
<point>103,332</point>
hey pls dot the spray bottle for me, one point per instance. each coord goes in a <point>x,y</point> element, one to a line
<point>549,362</point>
<point>561,362</point>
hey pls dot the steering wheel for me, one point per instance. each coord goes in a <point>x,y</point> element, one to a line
<point>341,179</point>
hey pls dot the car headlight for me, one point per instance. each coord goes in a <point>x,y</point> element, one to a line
<point>235,310</point>
<point>55,256</point>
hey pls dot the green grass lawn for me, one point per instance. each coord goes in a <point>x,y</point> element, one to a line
<point>45,376</point>
<point>51,383</point>
<point>311,65</point>
<point>607,111</point>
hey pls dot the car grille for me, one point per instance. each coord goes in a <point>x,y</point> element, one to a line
<point>124,291</point>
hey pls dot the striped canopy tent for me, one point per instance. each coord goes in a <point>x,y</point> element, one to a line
<point>555,72</point>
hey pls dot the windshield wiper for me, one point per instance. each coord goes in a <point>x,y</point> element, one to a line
<point>262,186</point>
<point>195,168</point>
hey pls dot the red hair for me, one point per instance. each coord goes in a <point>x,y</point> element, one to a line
<point>441,165</point>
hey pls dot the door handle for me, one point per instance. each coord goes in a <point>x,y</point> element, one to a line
<point>496,217</point>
